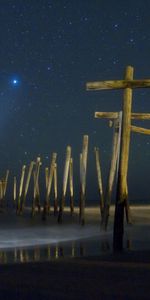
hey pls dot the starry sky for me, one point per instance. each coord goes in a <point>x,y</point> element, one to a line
<point>49,50</point>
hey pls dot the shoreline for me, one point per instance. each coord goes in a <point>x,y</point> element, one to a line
<point>115,276</point>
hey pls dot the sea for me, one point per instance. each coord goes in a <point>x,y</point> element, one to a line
<point>24,238</point>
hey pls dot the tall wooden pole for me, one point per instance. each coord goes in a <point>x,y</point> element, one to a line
<point>99,178</point>
<point>21,188</point>
<point>71,186</point>
<point>36,194</point>
<point>15,191</point>
<point>112,171</point>
<point>65,181</point>
<point>121,196</point>
<point>6,182</point>
<point>46,177</point>
<point>27,184</point>
<point>46,208</point>
<point>83,168</point>
<point>55,190</point>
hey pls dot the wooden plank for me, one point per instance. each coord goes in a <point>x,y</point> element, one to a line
<point>114,115</point>
<point>106,115</point>
<point>117,84</point>
<point>121,195</point>
<point>140,130</point>
<point>140,116</point>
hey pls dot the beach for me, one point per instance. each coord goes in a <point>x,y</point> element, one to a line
<point>88,274</point>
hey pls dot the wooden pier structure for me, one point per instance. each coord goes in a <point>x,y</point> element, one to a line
<point>121,196</point>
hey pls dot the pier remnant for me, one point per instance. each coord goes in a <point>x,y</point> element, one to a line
<point>83,171</point>
<point>65,181</point>
<point>99,178</point>
<point>121,196</point>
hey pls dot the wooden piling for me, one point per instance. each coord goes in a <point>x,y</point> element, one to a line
<point>15,191</point>
<point>71,186</point>
<point>27,185</point>
<point>99,178</point>
<point>65,181</point>
<point>20,189</point>
<point>46,208</point>
<point>112,170</point>
<point>6,182</point>
<point>121,196</point>
<point>36,194</point>
<point>46,176</point>
<point>83,168</point>
<point>55,190</point>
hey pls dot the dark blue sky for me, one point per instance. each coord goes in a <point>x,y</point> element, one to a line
<point>52,48</point>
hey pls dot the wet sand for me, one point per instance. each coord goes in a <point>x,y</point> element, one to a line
<point>103,276</point>
<point>123,276</point>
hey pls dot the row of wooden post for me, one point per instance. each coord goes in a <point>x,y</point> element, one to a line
<point>51,178</point>
<point>20,195</point>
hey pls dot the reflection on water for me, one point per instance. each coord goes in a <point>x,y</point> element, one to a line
<point>51,252</point>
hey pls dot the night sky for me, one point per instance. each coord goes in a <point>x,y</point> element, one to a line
<point>49,50</point>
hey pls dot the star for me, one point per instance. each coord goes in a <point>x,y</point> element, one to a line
<point>15,82</point>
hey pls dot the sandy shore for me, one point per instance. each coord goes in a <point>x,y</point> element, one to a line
<point>104,276</point>
<point>123,276</point>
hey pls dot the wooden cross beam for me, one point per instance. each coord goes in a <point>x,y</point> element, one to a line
<point>127,84</point>
<point>117,84</point>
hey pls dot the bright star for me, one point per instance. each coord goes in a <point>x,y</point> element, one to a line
<point>15,82</point>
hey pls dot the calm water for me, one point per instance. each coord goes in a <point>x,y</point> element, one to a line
<point>24,239</point>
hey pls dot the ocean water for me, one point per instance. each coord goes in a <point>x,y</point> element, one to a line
<point>24,239</point>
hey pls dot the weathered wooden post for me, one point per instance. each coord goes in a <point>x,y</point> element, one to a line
<point>65,180</point>
<point>83,168</point>
<point>121,196</point>
<point>113,165</point>
<point>46,177</point>
<point>49,178</point>
<point>6,183</point>
<point>15,191</point>
<point>55,190</point>
<point>27,185</point>
<point>20,189</point>
<point>71,186</point>
<point>36,194</point>
<point>99,179</point>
